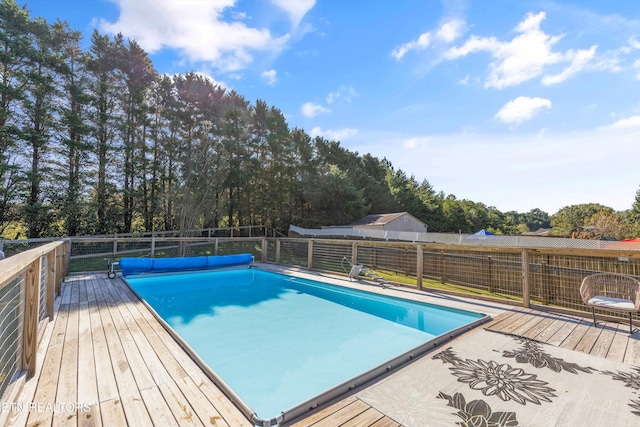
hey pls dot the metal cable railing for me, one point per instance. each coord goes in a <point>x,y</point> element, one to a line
<point>11,321</point>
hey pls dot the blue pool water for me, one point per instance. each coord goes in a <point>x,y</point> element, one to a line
<point>277,340</point>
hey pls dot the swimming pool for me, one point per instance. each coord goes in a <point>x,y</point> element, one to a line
<point>284,344</point>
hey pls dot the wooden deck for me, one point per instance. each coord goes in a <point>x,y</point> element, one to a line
<point>610,340</point>
<point>108,351</point>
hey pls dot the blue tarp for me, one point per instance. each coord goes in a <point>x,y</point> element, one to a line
<point>166,265</point>
<point>483,232</point>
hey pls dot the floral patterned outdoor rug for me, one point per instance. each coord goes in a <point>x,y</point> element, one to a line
<point>492,380</point>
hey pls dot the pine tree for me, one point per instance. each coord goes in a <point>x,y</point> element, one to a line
<point>15,53</point>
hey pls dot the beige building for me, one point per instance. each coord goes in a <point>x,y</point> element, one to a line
<point>400,221</point>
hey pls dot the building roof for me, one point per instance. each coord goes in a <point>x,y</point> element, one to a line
<point>539,232</point>
<point>378,219</point>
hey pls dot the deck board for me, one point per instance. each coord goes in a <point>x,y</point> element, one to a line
<point>325,412</point>
<point>48,380</point>
<point>105,377</point>
<point>160,413</point>
<point>618,346</point>
<point>532,327</point>
<point>344,415</point>
<point>67,390</point>
<point>632,354</point>
<point>610,340</point>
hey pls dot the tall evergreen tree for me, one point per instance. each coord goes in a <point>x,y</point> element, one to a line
<point>73,130</point>
<point>104,86</point>
<point>138,75</point>
<point>16,51</point>
<point>41,85</point>
<point>235,142</point>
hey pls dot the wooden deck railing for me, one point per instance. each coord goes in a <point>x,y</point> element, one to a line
<point>548,277</point>
<point>29,282</point>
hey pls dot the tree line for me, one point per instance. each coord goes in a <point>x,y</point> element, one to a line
<point>96,141</point>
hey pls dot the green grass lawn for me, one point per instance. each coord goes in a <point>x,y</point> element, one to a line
<point>436,284</point>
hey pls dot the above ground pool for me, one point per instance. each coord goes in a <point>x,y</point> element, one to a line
<point>284,344</point>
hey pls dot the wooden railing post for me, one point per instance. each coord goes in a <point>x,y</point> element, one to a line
<point>310,255</point>
<point>30,335</point>
<point>215,247</point>
<point>263,255</point>
<point>490,286</point>
<point>419,266</point>
<point>51,283</point>
<point>153,246</point>
<point>354,253</point>
<point>58,252</point>
<point>67,261</point>
<point>277,251</point>
<point>525,279</point>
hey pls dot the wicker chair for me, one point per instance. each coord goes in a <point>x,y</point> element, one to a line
<point>611,291</point>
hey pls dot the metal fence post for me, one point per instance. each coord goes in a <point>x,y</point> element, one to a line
<point>115,243</point>
<point>277,251</point>
<point>153,246</point>
<point>263,255</point>
<point>215,247</point>
<point>310,255</point>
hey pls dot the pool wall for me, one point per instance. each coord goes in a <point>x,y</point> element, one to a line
<point>327,395</point>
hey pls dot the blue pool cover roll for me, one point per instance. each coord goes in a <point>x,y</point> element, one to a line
<point>166,265</point>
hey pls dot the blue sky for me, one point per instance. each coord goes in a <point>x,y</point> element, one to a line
<point>515,104</point>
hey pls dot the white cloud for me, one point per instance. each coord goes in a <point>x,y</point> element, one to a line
<point>496,169</point>
<point>296,9</point>
<point>334,134</point>
<point>270,76</point>
<point>521,109</point>
<point>413,143</point>
<point>636,66</point>
<point>632,122</point>
<point>344,92</point>
<point>447,33</point>
<point>450,31</point>
<point>421,43</point>
<point>525,56</point>
<point>579,59</point>
<point>634,43</point>
<point>309,109</point>
<point>197,30</point>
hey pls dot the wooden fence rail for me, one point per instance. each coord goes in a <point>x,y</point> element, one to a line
<point>543,277</point>
<point>23,277</point>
